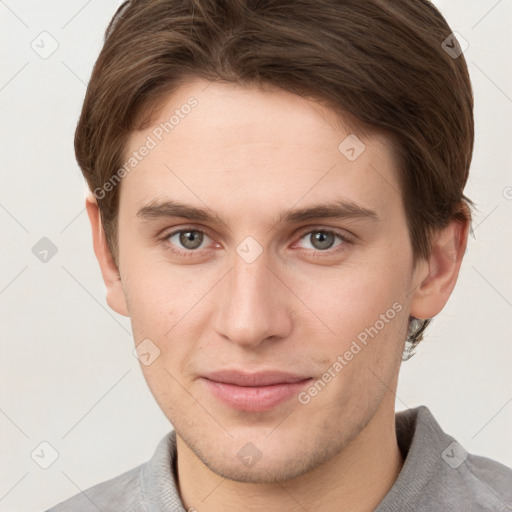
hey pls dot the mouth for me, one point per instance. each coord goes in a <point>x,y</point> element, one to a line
<point>254,392</point>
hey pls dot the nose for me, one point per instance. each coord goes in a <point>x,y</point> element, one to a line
<point>254,305</point>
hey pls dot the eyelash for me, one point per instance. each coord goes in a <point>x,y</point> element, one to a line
<point>315,253</point>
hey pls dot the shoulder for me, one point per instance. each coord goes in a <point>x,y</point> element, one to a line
<point>151,485</point>
<point>465,481</point>
<point>122,492</point>
<point>439,473</point>
<point>488,470</point>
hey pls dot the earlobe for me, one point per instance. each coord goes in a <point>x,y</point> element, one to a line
<point>435,278</point>
<point>111,276</point>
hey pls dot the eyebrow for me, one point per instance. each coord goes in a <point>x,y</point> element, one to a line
<point>339,209</point>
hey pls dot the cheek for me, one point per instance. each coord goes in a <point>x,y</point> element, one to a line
<point>357,301</point>
<point>154,289</point>
<point>168,308</point>
<point>154,304</point>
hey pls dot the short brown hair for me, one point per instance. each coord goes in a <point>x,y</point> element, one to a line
<point>380,63</point>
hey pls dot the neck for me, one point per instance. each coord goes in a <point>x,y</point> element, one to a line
<point>357,478</point>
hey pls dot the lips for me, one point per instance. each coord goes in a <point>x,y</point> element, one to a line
<point>267,378</point>
<point>254,392</point>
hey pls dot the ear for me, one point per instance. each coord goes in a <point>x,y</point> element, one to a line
<point>111,276</point>
<point>435,277</point>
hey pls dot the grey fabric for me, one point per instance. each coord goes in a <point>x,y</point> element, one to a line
<point>438,475</point>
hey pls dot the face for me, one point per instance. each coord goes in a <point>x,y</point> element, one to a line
<point>266,267</point>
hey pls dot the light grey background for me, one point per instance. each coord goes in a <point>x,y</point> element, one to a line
<point>67,370</point>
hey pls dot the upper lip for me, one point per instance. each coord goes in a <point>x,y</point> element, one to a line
<point>262,378</point>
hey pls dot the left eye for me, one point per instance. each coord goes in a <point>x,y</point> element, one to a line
<point>189,239</point>
<point>322,239</point>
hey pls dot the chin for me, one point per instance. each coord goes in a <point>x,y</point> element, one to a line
<point>261,473</point>
<point>271,462</point>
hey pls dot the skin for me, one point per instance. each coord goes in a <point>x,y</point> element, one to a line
<point>247,154</point>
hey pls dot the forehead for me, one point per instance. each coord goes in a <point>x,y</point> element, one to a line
<point>247,147</point>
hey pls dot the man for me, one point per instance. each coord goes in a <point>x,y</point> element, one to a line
<point>277,204</point>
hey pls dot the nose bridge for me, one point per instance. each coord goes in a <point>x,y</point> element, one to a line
<point>251,305</point>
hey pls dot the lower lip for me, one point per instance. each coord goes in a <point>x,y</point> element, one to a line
<point>255,398</point>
